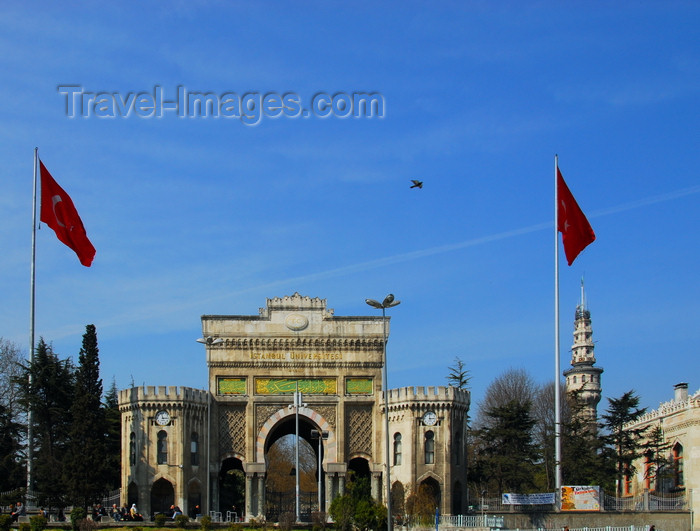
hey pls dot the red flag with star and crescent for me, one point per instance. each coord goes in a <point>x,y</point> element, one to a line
<point>59,213</point>
<point>576,232</point>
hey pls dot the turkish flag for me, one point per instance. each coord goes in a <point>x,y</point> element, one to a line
<point>576,232</point>
<point>59,213</point>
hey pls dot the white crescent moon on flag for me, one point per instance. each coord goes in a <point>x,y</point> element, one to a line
<point>55,200</point>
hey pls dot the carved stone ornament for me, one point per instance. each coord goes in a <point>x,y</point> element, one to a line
<point>296,321</point>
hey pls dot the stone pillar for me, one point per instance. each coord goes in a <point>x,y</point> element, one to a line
<point>248,495</point>
<point>341,484</point>
<point>376,487</point>
<point>261,495</point>
<point>330,492</point>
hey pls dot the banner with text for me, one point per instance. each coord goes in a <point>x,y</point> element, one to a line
<point>582,498</point>
<point>541,498</point>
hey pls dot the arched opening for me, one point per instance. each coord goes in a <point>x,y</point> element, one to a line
<point>162,496</point>
<point>431,488</point>
<point>280,482</point>
<point>398,502</point>
<point>457,498</point>
<point>194,499</point>
<point>132,495</point>
<point>231,487</point>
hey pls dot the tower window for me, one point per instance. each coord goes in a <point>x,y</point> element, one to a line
<point>429,448</point>
<point>397,449</point>
<point>132,449</point>
<point>678,464</point>
<point>194,449</point>
<point>162,447</point>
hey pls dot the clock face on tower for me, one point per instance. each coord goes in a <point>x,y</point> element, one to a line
<point>163,418</point>
<point>429,418</point>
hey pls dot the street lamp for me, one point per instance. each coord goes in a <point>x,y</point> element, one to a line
<point>296,405</point>
<point>209,342</point>
<point>321,436</point>
<point>388,302</point>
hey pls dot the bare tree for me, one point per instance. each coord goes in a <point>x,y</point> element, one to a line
<point>513,385</point>
<point>11,359</point>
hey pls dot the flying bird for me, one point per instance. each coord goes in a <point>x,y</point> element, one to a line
<point>416,183</point>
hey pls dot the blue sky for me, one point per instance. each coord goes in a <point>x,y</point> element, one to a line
<point>204,215</point>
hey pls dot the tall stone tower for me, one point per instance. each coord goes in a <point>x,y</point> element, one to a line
<point>584,377</point>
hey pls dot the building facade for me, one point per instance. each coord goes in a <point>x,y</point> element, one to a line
<point>212,450</point>
<point>672,463</point>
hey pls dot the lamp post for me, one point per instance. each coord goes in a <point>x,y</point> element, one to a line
<point>297,404</point>
<point>209,342</point>
<point>388,302</point>
<point>320,435</point>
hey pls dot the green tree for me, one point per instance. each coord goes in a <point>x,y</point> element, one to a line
<point>113,438</point>
<point>85,461</point>
<point>656,453</point>
<point>356,509</point>
<point>624,441</point>
<point>459,376</point>
<point>585,460</point>
<point>49,395</point>
<point>507,452</point>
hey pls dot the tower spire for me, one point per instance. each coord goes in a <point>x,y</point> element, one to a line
<point>584,377</point>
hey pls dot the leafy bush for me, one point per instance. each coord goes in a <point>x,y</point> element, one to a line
<point>5,522</point>
<point>78,513</point>
<point>160,519</point>
<point>287,521</point>
<point>37,523</point>
<point>24,526</point>
<point>205,523</point>
<point>181,521</point>
<point>87,525</point>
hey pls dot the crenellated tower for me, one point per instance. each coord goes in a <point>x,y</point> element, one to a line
<point>584,377</point>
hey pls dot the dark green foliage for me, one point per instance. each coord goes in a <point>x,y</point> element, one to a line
<point>585,460</point>
<point>656,453</point>
<point>5,522</point>
<point>76,515</point>
<point>37,523</point>
<point>356,509</point>
<point>459,376</point>
<point>625,443</point>
<point>160,519</point>
<point>84,472</point>
<point>181,521</point>
<point>205,523</point>
<point>24,526</point>
<point>112,457</point>
<point>49,396</point>
<point>506,453</point>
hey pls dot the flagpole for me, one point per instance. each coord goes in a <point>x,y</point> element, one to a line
<point>557,390</point>
<point>32,298</point>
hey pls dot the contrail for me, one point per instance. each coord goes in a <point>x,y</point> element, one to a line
<point>412,255</point>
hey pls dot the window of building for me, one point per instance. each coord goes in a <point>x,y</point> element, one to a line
<point>132,449</point>
<point>429,448</point>
<point>458,447</point>
<point>648,469</point>
<point>397,449</point>
<point>162,447</point>
<point>678,464</point>
<point>194,449</point>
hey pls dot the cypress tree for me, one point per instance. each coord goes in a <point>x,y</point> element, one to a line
<point>85,463</point>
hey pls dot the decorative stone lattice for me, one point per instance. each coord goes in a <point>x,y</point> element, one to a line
<point>264,412</point>
<point>232,431</point>
<point>359,430</point>
<point>328,413</point>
